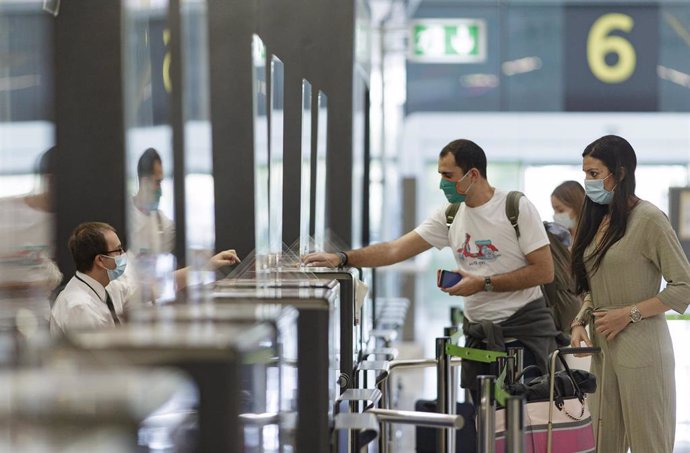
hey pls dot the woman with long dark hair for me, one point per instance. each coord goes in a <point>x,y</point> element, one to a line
<point>624,245</point>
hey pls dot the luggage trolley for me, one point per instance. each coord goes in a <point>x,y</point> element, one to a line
<point>490,422</point>
<point>552,377</point>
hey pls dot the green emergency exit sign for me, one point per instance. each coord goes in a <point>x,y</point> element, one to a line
<point>448,41</point>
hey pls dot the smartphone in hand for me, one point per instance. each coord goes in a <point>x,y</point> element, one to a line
<point>446,279</point>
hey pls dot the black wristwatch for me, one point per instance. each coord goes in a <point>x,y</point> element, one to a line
<point>343,258</point>
<point>488,285</point>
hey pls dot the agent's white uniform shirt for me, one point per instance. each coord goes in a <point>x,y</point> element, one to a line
<point>82,304</point>
<point>484,243</point>
<point>150,233</point>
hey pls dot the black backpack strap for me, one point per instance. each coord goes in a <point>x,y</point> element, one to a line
<point>451,210</point>
<point>513,209</point>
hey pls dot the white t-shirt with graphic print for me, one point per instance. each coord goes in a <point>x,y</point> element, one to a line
<point>484,243</point>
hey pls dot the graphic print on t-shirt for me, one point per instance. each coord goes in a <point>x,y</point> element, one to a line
<point>485,250</point>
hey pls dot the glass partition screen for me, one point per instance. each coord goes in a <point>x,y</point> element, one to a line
<point>261,205</point>
<point>276,158</point>
<point>320,189</point>
<point>305,184</point>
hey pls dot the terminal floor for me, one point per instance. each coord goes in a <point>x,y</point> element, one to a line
<point>418,384</point>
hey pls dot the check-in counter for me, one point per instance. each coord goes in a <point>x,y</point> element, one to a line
<point>284,320</point>
<point>221,358</point>
<point>317,354</point>
<point>352,339</point>
<point>67,410</point>
<point>351,334</point>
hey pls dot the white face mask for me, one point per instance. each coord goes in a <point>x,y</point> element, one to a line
<point>564,219</point>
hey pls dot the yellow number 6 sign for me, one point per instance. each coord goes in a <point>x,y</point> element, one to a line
<point>600,43</point>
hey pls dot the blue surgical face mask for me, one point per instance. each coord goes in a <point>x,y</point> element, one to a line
<point>155,201</point>
<point>449,188</point>
<point>564,219</point>
<point>120,266</point>
<point>594,188</point>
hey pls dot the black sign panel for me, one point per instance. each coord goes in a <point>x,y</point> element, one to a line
<point>611,58</point>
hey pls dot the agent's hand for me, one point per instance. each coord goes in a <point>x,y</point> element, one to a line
<point>578,334</point>
<point>609,323</point>
<point>321,259</point>
<point>224,258</point>
<point>470,284</point>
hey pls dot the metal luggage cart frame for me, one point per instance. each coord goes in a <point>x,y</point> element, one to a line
<point>552,379</point>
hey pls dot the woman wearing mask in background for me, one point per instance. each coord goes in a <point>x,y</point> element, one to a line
<point>624,245</point>
<point>567,200</point>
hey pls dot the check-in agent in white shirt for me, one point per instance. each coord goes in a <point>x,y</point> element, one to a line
<point>96,296</point>
<point>84,304</point>
<point>93,297</point>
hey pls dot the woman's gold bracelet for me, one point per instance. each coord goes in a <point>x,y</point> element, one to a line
<point>577,322</point>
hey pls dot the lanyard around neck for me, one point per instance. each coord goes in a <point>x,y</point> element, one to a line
<point>108,300</point>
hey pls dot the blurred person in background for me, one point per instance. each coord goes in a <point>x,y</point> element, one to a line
<point>27,234</point>
<point>567,200</point>
<point>150,230</point>
<point>623,248</point>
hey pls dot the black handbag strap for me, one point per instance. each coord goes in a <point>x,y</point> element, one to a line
<point>578,392</point>
<point>525,370</point>
<point>558,398</point>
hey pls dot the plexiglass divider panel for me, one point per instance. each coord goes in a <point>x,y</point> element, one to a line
<point>275,124</point>
<point>149,155</point>
<point>320,183</point>
<point>358,155</point>
<point>305,168</point>
<point>28,272</point>
<point>261,159</point>
<point>199,200</point>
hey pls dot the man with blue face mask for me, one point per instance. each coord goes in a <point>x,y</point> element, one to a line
<point>501,270</point>
<point>97,296</point>
<point>151,231</point>
<point>94,297</point>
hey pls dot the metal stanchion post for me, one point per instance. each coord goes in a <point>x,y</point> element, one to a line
<point>386,431</point>
<point>515,440</point>
<point>501,363</point>
<point>511,371</point>
<point>446,437</point>
<point>385,389</point>
<point>486,418</point>
<point>454,373</point>
<point>519,363</point>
